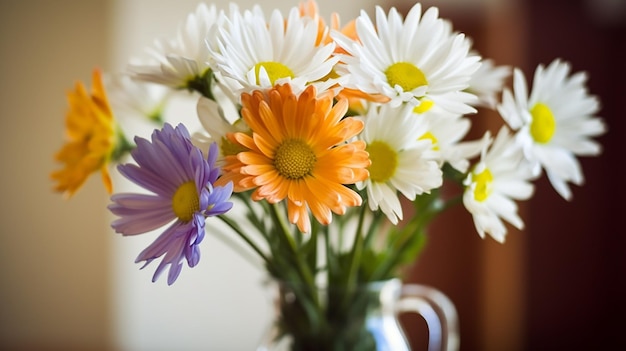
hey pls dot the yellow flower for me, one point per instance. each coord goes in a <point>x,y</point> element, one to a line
<point>298,151</point>
<point>91,138</point>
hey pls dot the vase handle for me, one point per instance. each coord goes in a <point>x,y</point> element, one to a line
<point>438,312</point>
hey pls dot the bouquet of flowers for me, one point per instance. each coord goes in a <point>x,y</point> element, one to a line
<point>323,148</point>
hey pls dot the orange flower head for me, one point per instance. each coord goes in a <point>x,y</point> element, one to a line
<point>299,152</point>
<point>310,9</point>
<point>91,138</point>
<point>357,100</point>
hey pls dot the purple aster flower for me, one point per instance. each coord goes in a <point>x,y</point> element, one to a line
<point>181,181</point>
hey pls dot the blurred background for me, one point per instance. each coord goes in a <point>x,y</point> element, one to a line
<point>67,282</point>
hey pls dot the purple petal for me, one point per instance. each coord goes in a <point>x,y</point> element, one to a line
<point>163,165</point>
<point>140,213</point>
<point>217,200</point>
<point>148,179</point>
<point>174,245</point>
<point>174,272</point>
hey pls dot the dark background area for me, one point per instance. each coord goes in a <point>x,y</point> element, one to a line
<point>577,251</point>
<point>560,284</point>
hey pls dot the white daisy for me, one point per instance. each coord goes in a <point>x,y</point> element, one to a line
<point>218,119</point>
<point>401,162</point>
<point>487,83</point>
<point>411,59</point>
<point>182,63</point>
<point>446,133</point>
<point>136,99</point>
<point>254,54</point>
<point>555,123</point>
<point>500,177</point>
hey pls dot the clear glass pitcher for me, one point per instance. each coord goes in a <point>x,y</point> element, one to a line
<point>360,319</point>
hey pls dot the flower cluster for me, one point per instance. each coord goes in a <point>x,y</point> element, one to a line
<point>325,133</point>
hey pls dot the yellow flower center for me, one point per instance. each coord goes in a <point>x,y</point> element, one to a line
<point>433,139</point>
<point>294,159</point>
<point>483,184</point>
<point>275,71</point>
<point>185,201</point>
<point>331,75</point>
<point>384,161</point>
<point>406,75</point>
<point>424,106</point>
<point>543,124</point>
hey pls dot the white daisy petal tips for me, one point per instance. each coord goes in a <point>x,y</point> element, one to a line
<point>410,60</point>
<point>555,123</point>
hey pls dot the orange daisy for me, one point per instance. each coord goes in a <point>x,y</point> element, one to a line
<point>310,9</point>
<point>356,98</point>
<point>299,152</point>
<point>92,138</point>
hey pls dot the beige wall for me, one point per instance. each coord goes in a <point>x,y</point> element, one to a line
<point>53,253</point>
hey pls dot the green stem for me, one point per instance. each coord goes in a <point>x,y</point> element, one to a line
<point>252,215</point>
<point>331,262</point>
<point>312,247</point>
<point>306,290</point>
<point>404,240</point>
<point>235,227</point>
<point>202,84</point>
<point>357,250</point>
<point>352,276</point>
<point>283,231</point>
<point>236,246</point>
<point>373,228</point>
<point>122,146</point>
<point>283,228</point>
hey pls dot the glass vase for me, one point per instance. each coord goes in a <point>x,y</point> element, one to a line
<point>364,318</point>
